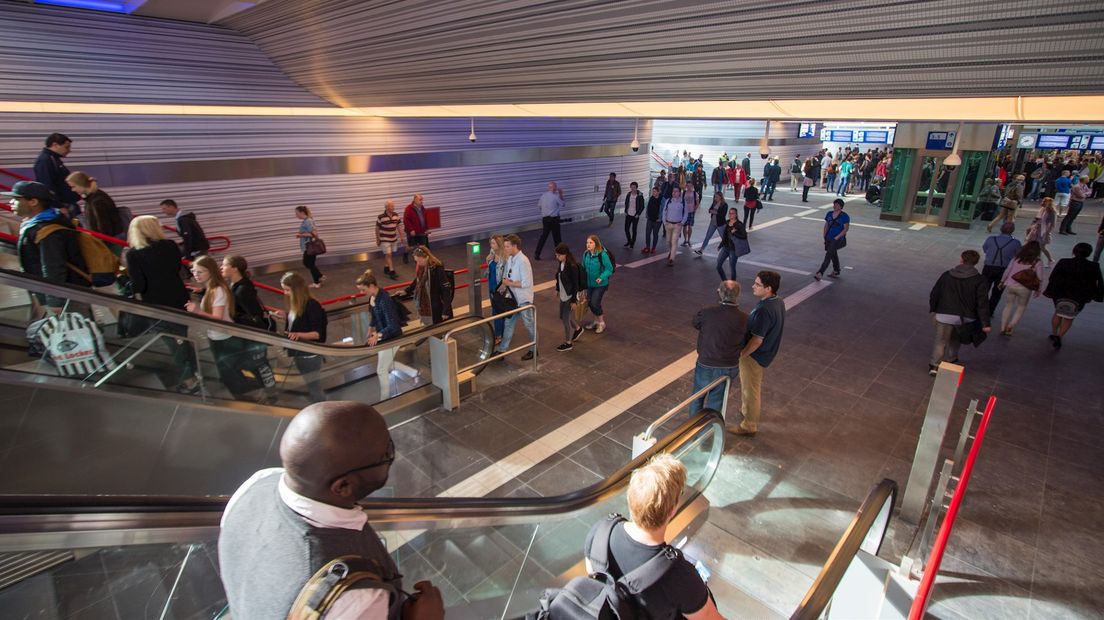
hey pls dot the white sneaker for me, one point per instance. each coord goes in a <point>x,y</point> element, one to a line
<point>600,328</point>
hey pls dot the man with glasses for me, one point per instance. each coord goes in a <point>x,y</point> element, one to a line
<point>764,334</point>
<point>285,524</point>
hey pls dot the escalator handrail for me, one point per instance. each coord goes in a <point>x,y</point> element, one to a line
<point>824,587</point>
<point>27,514</point>
<point>83,294</point>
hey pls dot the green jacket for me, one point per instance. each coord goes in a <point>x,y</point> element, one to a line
<point>597,266</point>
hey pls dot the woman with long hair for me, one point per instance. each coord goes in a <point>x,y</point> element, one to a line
<point>599,268</point>
<point>252,363</point>
<point>733,236</point>
<point>100,212</point>
<point>218,303</point>
<point>306,322</point>
<point>431,288</point>
<point>496,269</point>
<point>718,215</point>
<point>1022,278</point>
<point>153,264</point>
<point>569,285</point>
<point>308,231</point>
<point>1042,228</point>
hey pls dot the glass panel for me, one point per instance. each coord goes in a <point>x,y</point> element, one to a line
<point>928,165</point>
<point>900,173</point>
<point>970,178</point>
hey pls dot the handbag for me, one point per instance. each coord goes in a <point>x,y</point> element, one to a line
<point>1008,203</point>
<point>741,246</point>
<point>503,301</point>
<point>315,246</point>
<point>1028,279</point>
<point>808,182</point>
<point>74,344</point>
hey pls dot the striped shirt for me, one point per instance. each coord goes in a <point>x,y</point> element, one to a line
<point>388,226</point>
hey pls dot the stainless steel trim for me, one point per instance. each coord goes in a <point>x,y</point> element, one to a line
<point>677,408</point>
<point>204,171</point>
<point>73,523</point>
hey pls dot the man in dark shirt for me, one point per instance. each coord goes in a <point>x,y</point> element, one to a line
<point>47,244</point>
<point>609,198</point>
<point>721,335</point>
<point>764,335</point>
<point>653,495</point>
<point>283,525</point>
<point>50,171</point>
<point>193,240</point>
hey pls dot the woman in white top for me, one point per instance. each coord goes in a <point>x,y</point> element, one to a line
<point>218,304</point>
<point>1017,294</point>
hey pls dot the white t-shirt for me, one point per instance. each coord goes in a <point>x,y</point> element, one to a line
<point>220,300</point>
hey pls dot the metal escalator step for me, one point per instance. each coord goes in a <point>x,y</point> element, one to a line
<point>15,567</point>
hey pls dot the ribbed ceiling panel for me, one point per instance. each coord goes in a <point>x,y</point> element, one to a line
<point>501,51</point>
<point>54,54</point>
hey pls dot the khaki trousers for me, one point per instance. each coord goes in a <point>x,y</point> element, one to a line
<point>751,384</point>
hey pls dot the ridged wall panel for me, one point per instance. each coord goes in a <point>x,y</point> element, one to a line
<point>57,54</point>
<point>522,51</point>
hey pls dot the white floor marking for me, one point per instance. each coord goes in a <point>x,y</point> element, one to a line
<point>651,259</point>
<point>808,212</point>
<point>743,261</point>
<point>768,223</point>
<point>918,226</point>
<point>513,465</point>
<point>856,224</point>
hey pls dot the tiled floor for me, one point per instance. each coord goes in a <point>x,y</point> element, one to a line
<point>843,405</point>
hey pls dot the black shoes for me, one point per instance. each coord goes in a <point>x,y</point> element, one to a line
<point>575,336</point>
<point>834,274</point>
<point>528,356</point>
<point>1056,341</point>
<point>391,273</point>
<point>564,347</point>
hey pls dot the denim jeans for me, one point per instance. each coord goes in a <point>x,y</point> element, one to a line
<point>511,322</point>
<point>1036,185</point>
<point>594,299</point>
<point>829,181</point>
<point>842,187</point>
<point>709,232</point>
<point>703,376</point>
<point>730,255</point>
<point>651,233</point>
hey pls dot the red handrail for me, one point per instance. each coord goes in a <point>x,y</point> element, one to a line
<point>920,603</point>
<point>9,238</point>
<point>223,238</point>
<point>14,175</point>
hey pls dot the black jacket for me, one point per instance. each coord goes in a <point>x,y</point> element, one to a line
<point>961,292</point>
<point>571,279</point>
<point>722,331</point>
<point>750,193</point>
<point>728,236</point>
<point>720,216</point>
<point>639,207</point>
<point>1077,279</point>
<point>248,309</point>
<point>746,165</point>
<point>51,258</point>
<point>313,319</point>
<point>194,241</point>
<point>655,204</point>
<point>773,173</point>
<point>155,274</point>
<point>50,171</point>
<point>440,293</point>
<point>719,177</point>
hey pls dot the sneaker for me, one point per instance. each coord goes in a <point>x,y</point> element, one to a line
<point>670,263</point>
<point>626,246</point>
<point>932,370</point>
<point>817,276</point>
<point>591,325</point>
<point>565,347</point>
<point>600,328</point>
<point>834,274</point>
<point>393,275</point>
<point>698,252</point>
<point>575,336</point>
<point>646,250</point>
<point>528,356</point>
<point>1057,341</point>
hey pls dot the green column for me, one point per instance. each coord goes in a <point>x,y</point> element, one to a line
<point>970,177</point>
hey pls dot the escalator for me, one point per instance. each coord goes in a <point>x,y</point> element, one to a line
<point>157,557</point>
<point>83,430</point>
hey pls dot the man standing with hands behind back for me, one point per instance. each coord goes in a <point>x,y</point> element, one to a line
<point>764,335</point>
<point>414,223</point>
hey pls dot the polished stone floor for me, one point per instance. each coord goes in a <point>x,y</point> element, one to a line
<point>843,405</point>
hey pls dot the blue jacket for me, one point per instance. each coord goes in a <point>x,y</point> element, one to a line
<point>1062,185</point>
<point>597,266</point>
<point>385,317</point>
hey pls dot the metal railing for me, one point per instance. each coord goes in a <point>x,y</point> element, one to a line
<point>865,532</point>
<point>451,334</point>
<point>702,393</point>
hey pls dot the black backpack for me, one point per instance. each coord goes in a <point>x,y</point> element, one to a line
<point>599,594</point>
<point>612,261</point>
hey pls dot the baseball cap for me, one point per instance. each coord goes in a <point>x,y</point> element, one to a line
<point>30,190</point>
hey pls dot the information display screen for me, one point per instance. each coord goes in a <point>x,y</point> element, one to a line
<point>806,130</point>
<point>1052,141</point>
<point>877,137</point>
<point>1080,143</point>
<point>1097,143</point>
<point>837,135</point>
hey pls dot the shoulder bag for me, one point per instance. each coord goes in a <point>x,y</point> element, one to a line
<point>1028,278</point>
<point>315,246</point>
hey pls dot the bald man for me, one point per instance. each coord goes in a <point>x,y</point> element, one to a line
<point>284,524</point>
<point>414,222</point>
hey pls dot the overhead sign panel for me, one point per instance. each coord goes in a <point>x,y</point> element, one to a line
<point>940,140</point>
<point>1053,141</point>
